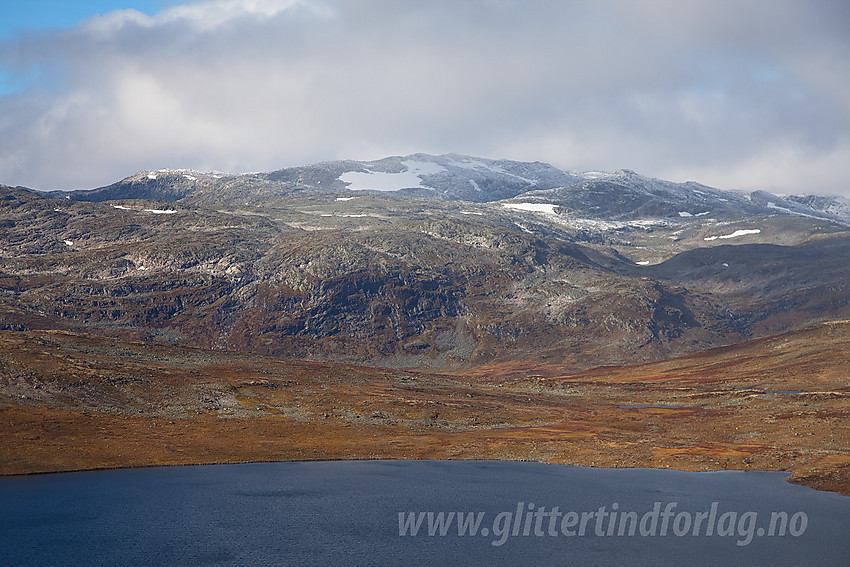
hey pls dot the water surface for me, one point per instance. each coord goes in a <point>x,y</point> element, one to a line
<point>347,513</point>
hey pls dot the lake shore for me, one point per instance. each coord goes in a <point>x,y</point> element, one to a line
<point>77,402</point>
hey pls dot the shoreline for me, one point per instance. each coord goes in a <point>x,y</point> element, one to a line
<point>79,402</point>
<point>814,479</point>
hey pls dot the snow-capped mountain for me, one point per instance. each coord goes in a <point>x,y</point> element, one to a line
<point>423,259</point>
<point>532,186</point>
<point>625,195</point>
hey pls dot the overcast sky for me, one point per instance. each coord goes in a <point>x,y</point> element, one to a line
<point>736,94</point>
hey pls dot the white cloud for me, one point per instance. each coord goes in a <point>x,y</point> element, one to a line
<point>738,95</point>
<point>779,168</point>
<point>201,16</point>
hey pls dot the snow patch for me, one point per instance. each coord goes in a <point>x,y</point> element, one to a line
<point>596,225</point>
<point>643,263</point>
<point>545,208</point>
<point>345,198</point>
<point>68,243</point>
<point>190,177</point>
<point>475,185</point>
<point>122,207</point>
<point>725,265</point>
<point>771,205</point>
<point>523,228</point>
<point>685,214</point>
<point>735,234</point>
<point>595,175</point>
<point>161,211</point>
<point>151,175</point>
<point>379,181</point>
<point>471,213</point>
<point>702,214</point>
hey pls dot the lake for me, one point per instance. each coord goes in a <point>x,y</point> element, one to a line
<point>418,513</point>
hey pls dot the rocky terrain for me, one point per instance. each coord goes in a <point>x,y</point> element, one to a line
<point>457,272</point>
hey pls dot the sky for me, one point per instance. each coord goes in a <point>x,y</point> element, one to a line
<point>738,95</point>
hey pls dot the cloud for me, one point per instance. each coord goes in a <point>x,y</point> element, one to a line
<point>752,95</point>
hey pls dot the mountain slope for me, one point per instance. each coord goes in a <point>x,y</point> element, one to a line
<point>380,278</point>
<point>414,284</point>
<point>393,262</point>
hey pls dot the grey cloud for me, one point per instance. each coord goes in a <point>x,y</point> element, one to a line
<point>749,96</point>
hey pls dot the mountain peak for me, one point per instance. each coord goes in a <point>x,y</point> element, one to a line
<point>627,173</point>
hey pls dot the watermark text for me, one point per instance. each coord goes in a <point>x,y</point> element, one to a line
<point>663,519</point>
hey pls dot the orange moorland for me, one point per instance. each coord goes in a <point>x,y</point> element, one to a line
<point>70,401</point>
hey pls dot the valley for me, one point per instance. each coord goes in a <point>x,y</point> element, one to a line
<point>424,307</point>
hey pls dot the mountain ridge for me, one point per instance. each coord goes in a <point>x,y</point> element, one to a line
<point>456,177</point>
<point>395,278</point>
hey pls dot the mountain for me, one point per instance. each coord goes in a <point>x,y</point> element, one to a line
<point>374,281</point>
<point>623,195</point>
<point>448,261</point>
<point>448,177</point>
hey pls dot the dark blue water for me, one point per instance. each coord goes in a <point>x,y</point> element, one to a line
<point>347,513</point>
